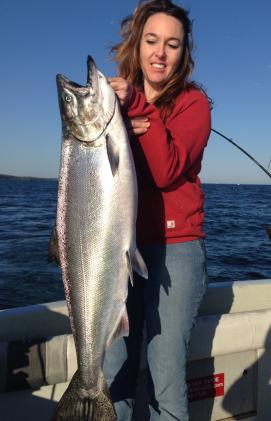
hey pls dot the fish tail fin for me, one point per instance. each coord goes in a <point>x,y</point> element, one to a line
<point>72,406</point>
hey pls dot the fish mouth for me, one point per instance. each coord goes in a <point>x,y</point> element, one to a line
<point>92,79</point>
<point>62,81</point>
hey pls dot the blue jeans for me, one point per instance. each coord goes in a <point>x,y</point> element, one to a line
<point>168,303</point>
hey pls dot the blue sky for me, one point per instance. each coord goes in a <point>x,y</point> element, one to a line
<point>39,39</point>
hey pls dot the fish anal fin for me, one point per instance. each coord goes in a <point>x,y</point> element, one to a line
<point>121,329</point>
<point>112,153</point>
<point>139,265</point>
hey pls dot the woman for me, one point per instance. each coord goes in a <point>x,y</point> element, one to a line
<point>168,118</point>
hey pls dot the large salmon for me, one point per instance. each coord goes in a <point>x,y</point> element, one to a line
<point>96,216</point>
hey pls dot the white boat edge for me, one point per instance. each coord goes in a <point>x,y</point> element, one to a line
<point>229,355</point>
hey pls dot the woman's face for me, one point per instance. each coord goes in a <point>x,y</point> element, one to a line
<point>161,49</point>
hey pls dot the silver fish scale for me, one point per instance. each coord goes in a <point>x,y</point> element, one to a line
<point>97,226</point>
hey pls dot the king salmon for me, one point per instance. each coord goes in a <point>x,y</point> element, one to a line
<point>95,226</point>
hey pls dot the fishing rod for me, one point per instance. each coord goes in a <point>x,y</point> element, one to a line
<point>268,227</point>
<point>241,149</point>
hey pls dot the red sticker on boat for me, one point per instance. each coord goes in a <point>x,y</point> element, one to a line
<point>206,387</point>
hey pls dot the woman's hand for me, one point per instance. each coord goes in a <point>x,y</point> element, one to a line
<point>122,88</point>
<point>137,126</point>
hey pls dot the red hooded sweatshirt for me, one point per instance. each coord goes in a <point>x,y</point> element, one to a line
<point>168,160</point>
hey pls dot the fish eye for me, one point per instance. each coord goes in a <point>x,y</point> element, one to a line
<point>68,98</point>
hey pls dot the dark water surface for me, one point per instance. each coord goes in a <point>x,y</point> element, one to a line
<point>237,245</point>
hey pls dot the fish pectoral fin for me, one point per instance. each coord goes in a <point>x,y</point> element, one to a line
<point>139,265</point>
<point>53,249</point>
<point>112,153</point>
<point>121,328</point>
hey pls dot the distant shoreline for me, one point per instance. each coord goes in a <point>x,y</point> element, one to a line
<point>7,176</point>
<point>17,177</point>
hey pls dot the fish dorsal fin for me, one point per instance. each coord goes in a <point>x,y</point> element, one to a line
<point>113,154</point>
<point>121,328</point>
<point>139,265</point>
<point>53,248</point>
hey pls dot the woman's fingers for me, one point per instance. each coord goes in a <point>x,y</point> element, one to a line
<point>138,131</point>
<point>138,125</point>
<point>116,80</point>
<point>121,87</point>
<point>116,83</point>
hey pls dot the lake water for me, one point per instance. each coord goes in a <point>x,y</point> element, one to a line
<point>238,247</point>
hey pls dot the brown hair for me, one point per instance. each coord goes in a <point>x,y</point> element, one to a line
<point>126,53</point>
